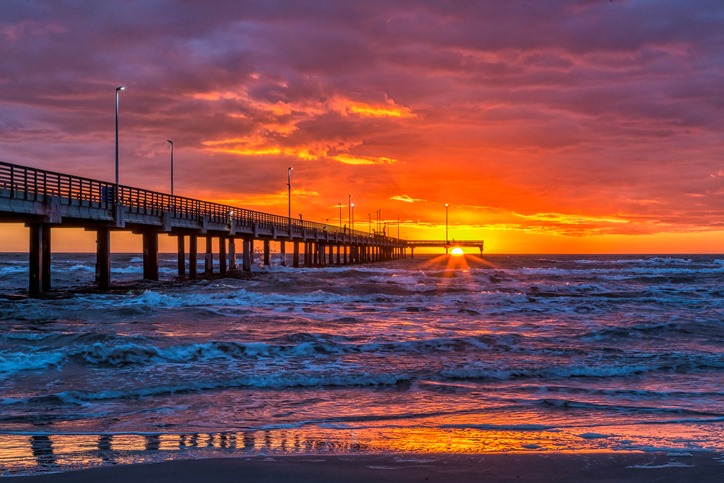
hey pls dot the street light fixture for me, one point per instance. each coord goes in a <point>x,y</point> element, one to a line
<point>118,89</point>
<point>171,143</point>
<point>446,237</point>
<point>352,216</point>
<point>349,211</point>
<point>340,214</point>
<point>289,195</point>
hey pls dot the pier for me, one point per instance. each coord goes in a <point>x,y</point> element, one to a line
<point>46,200</point>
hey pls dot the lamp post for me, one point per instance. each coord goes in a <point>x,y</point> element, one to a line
<point>352,217</point>
<point>340,214</point>
<point>171,144</point>
<point>289,195</point>
<point>446,206</point>
<point>369,215</point>
<point>118,89</point>
<point>349,212</point>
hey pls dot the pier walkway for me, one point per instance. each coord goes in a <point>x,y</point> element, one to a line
<point>45,200</point>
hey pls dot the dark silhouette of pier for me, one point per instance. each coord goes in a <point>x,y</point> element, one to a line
<point>45,200</point>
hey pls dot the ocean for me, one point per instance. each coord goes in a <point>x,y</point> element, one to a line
<point>436,354</point>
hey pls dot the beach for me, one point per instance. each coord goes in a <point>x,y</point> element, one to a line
<point>606,467</point>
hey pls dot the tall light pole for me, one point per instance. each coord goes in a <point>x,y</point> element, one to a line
<point>340,214</point>
<point>171,143</point>
<point>289,195</point>
<point>369,215</point>
<point>118,89</point>
<point>349,212</point>
<point>352,216</point>
<point>446,206</point>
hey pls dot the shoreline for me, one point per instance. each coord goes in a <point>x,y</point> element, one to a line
<point>462,468</point>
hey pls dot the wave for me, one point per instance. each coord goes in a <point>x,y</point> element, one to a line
<point>624,368</point>
<point>626,408</point>
<point>96,350</point>
<point>258,381</point>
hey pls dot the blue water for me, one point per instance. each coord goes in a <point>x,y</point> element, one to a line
<point>435,354</point>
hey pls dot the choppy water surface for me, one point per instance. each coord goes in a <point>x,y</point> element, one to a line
<point>436,354</point>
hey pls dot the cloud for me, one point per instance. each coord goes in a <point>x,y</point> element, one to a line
<point>564,116</point>
<point>405,198</point>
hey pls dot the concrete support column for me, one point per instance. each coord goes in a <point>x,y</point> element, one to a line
<point>307,254</point>
<point>232,253</point>
<point>150,255</point>
<point>267,253</point>
<point>39,273</point>
<point>35,262</point>
<point>208,256</point>
<point>412,253</point>
<point>181,256</point>
<point>46,257</point>
<point>295,257</point>
<point>339,259</point>
<point>246,255</point>
<point>283,252</point>
<point>103,258</point>
<point>193,252</point>
<point>222,255</point>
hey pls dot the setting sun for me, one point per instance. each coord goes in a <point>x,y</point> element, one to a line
<point>457,251</point>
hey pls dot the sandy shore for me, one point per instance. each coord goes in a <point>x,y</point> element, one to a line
<point>608,467</point>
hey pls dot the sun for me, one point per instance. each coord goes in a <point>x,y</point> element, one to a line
<point>457,251</point>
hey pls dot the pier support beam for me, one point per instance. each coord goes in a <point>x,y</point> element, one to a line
<point>193,252</point>
<point>295,257</point>
<point>39,276</point>
<point>181,256</point>
<point>267,254</point>
<point>209,256</point>
<point>103,258</point>
<point>307,254</point>
<point>283,251</point>
<point>248,246</point>
<point>222,255</point>
<point>232,253</point>
<point>150,255</point>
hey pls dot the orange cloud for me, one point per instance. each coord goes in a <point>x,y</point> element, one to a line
<point>405,198</point>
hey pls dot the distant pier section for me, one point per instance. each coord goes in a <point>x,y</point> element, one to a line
<point>447,245</point>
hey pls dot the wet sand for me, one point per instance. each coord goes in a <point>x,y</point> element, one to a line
<point>551,467</point>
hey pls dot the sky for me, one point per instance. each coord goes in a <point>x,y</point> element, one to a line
<point>588,126</point>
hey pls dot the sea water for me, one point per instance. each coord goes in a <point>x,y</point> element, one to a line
<point>426,355</point>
